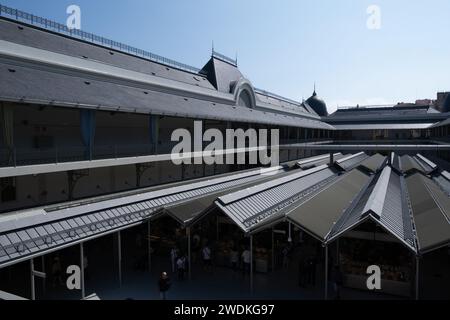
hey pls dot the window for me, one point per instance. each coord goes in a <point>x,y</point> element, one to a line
<point>245,100</point>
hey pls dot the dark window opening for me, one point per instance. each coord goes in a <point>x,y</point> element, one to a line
<point>8,189</point>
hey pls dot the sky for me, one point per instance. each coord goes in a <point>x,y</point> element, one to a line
<point>285,46</point>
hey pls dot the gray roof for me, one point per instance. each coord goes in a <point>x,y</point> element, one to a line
<point>431,209</point>
<point>383,126</point>
<point>31,85</point>
<point>42,39</point>
<point>374,163</point>
<point>443,180</point>
<point>190,210</point>
<point>384,203</point>
<point>352,161</point>
<point>34,232</point>
<point>418,162</point>
<point>250,208</point>
<point>318,215</point>
<point>442,123</point>
<point>318,160</point>
<point>214,81</point>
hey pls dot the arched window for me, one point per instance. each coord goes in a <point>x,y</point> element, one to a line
<point>245,100</point>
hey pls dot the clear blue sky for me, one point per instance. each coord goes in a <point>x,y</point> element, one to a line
<point>285,46</point>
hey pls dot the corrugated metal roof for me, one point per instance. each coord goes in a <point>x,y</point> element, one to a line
<point>188,211</point>
<point>443,180</point>
<point>319,214</point>
<point>50,230</point>
<point>374,163</point>
<point>352,161</point>
<point>384,203</point>
<point>254,206</point>
<point>318,160</point>
<point>430,208</point>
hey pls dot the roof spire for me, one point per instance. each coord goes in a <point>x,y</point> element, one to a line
<point>314,93</point>
<point>212,48</point>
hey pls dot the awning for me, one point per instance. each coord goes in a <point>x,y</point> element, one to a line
<point>32,233</point>
<point>257,206</point>
<point>318,215</point>
<point>384,202</point>
<point>431,212</point>
<point>352,161</point>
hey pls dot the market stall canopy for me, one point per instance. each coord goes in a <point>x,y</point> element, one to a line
<point>431,211</point>
<point>384,202</point>
<point>260,205</point>
<point>318,215</point>
<point>374,164</point>
<point>352,161</point>
<point>33,233</point>
<point>312,162</point>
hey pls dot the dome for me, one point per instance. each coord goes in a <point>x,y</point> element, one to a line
<point>318,105</point>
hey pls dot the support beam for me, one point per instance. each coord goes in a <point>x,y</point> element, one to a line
<point>33,287</point>
<point>251,264</point>
<point>119,256</point>
<point>326,272</point>
<point>43,271</point>
<point>149,246</point>
<point>273,250</point>
<point>417,278</point>
<point>83,292</point>
<point>331,158</point>
<point>188,233</point>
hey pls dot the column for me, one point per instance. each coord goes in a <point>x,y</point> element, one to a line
<point>251,264</point>
<point>83,293</point>
<point>326,272</point>
<point>119,255</point>
<point>33,288</point>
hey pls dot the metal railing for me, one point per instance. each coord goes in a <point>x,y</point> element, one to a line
<point>59,28</point>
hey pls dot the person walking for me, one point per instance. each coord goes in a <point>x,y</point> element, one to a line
<point>56,272</point>
<point>173,258</point>
<point>337,279</point>
<point>181,267</point>
<point>234,257</point>
<point>246,261</point>
<point>206,256</point>
<point>164,285</point>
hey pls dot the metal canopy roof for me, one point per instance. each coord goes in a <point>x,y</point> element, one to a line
<point>419,163</point>
<point>22,236</point>
<point>374,163</point>
<point>431,210</point>
<point>318,161</point>
<point>188,211</point>
<point>384,203</point>
<point>253,207</point>
<point>352,161</point>
<point>319,214</point>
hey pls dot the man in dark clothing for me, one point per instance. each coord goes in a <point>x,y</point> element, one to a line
<point>337,279</point>
<point>164,285</point>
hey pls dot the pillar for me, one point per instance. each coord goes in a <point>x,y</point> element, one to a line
<point>83,293</point>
